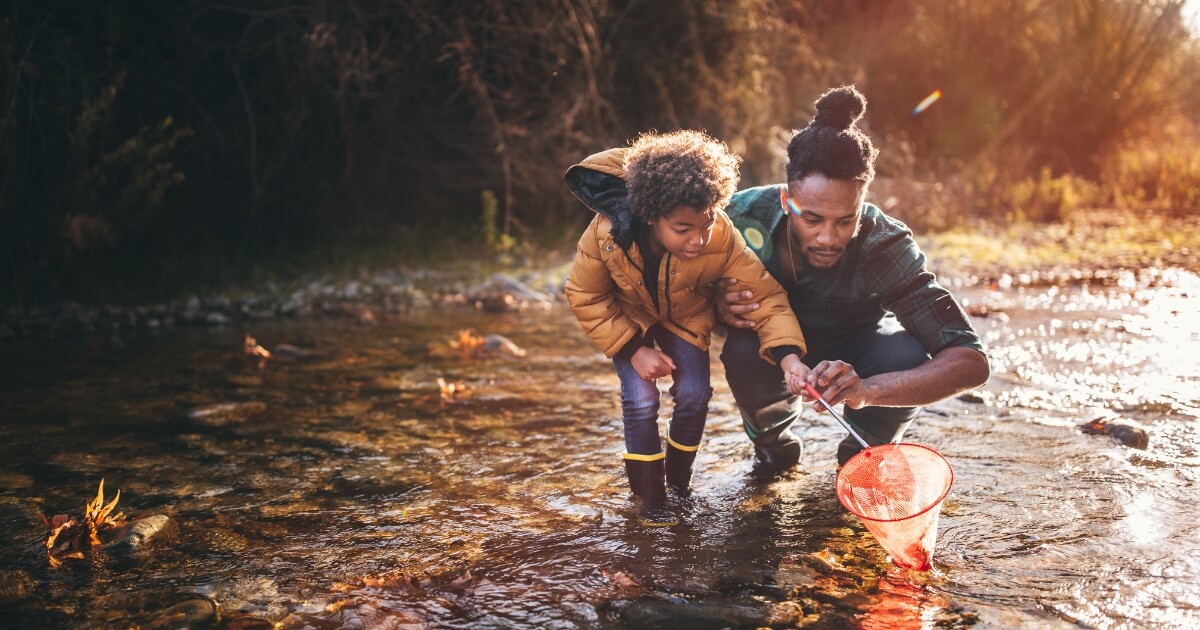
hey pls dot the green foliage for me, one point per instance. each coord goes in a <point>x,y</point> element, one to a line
<point>117,189</point>
<point>1164,175</point>
<point>493,237</point>
<point>305,125</point>
<point>1048,198</point>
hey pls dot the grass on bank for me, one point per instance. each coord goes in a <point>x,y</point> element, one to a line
<point>1088,239</point>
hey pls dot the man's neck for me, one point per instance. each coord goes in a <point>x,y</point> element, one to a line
<point>791,257</point>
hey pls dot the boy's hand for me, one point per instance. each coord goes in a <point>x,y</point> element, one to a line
<point>651,363</point>
<point>794,374</point>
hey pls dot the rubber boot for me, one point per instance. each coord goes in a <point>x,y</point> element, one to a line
<point>776,448</point>
<point>646,481</point>
<point>679,468</point>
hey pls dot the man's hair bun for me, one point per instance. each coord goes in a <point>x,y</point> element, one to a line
<point>840,107</point>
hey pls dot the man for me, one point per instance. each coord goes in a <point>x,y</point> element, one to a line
<point>883,336</point>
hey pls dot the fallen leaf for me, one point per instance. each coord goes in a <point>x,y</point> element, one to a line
<point>255,353</point>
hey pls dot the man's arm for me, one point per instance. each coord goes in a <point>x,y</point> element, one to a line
<point>951,371</point>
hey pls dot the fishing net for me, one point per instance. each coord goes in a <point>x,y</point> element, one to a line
<point>897,490</point>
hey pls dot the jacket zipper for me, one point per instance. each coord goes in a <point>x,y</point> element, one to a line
<point>667,297</point>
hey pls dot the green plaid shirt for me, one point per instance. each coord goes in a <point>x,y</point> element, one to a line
<point>882,272</point>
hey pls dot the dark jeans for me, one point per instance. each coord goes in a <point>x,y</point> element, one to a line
<point>690,388</point>
<point>885,347</point>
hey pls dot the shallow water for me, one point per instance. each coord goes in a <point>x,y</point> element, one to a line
<point>360,499</point>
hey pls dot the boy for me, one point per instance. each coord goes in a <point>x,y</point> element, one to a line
<point>645,275</point>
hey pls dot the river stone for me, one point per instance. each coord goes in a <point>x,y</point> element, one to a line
<point>225,414</point>
<point>136,535</point>
<point>681,613</point>
<point>503,292</point>
<point>252,597</point>
<point>15,585</point>
<point>223,540</point>
<point>185,614</point>
<point>289,351</point>
<point>499,344</point>
<point>1126,432</point>
<point>14,481</point>
<point>976,397</point>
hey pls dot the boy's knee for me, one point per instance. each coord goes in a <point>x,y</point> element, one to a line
<point>693,399</point>
<point>640,403</point>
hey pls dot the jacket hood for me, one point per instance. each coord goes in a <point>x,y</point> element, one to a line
<point>599,182</point>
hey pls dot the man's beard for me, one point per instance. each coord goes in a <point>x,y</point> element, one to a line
<point>821,257</point>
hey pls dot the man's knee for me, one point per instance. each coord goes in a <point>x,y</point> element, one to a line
<point>741,344</point>
<point>892,353</point>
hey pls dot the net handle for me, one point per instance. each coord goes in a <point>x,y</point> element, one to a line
<point>836,416</point>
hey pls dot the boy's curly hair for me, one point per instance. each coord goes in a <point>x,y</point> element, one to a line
<point>679,168</point>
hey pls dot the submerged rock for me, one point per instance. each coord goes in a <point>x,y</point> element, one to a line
<point>289,351</point>
<point>681,613</point>
<point>15,585</point>
<point>226,413</point>
<point>185,614</point>
<point>503,292</point>
<point>1126,432</point>
<point>136,535</point>
<point>499,344</point>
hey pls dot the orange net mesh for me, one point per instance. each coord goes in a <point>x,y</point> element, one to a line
<point>897,491</point>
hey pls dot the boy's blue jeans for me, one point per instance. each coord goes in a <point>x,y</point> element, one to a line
<point>690,389</point>
<point>878,349</point>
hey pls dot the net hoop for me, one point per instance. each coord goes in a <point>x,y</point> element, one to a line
<point>907,445</point>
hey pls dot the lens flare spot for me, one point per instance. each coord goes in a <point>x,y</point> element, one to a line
<point>929,100</point>
<point>754,238</point>
<point>793,207</point>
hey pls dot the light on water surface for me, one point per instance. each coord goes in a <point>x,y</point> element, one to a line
<point>360,499</point>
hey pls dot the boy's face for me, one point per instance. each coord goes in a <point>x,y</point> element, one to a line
<point>683,232</point>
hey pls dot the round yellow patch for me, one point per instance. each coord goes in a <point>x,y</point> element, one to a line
<point>754,238</point>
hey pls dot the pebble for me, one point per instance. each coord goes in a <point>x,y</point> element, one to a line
<point>185,614</point>
<point>226,414</point>
<point>135,535</point>
<point>375,298</point>
<point>1125,431</point>
<point>15,585</point>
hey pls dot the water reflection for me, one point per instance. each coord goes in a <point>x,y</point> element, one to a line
<point>357,497</point>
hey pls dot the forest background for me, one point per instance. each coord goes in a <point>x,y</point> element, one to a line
<point>149,148</point>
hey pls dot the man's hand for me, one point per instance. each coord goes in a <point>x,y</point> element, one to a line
<point>838,382</point>
<point>733,301</point>
<point>794,374</point>
<point>651,363</point>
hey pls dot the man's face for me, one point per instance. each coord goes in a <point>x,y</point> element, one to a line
<point>824,216</point>
<point>683,231</point>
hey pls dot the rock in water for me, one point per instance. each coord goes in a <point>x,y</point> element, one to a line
<point>186,614</point>
<point>15,585</point>
<point>503,292</point>
<point>136,535</point>
<point>499,344</point>
<point>680,613</point>
<point>226,413</point>
<point>1124,431</point>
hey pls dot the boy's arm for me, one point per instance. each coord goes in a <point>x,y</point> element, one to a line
<point>589,291</point>
<point>774,320</point>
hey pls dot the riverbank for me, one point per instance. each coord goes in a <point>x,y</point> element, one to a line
<point>1094,248</point>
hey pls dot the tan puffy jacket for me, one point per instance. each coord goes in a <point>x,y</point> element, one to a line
<point>607,292</point>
